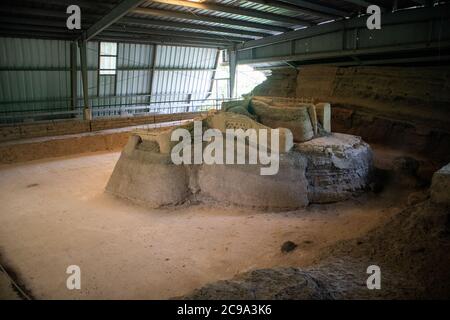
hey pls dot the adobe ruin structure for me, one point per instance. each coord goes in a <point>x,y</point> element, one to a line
<point>318,166</point>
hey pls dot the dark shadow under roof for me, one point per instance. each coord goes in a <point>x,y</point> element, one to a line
<point>219,23</point>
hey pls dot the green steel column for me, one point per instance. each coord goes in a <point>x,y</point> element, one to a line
<point>232,58</point>
<point>87,111</point>
<point>213,76</point>
<point>73,74</point>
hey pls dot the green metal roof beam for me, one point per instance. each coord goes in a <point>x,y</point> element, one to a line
<point>115,14</point>
<point>236,10</point>
<point>318,7</point>
<point>293,8</point>
<point>162,32</point>
<point>194,26</point>
<point>161,40</point>
<point>363,4</point>
<point>198,17</point>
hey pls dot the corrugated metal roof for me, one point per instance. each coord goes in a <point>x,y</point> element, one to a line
<point>244,5</point>
<point>46,19</point>
<point>210,13</point>
<point>203,23</point>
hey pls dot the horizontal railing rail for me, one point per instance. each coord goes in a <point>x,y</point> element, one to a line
<point>132,108</point>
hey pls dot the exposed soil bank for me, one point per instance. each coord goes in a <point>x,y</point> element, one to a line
<point>24,150</point>
<point>405,108</point>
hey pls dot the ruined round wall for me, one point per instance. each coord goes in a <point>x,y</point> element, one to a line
<point>243,185</point>
<point>148,178</point>
<point>325,169</point>
<point>338,165</point>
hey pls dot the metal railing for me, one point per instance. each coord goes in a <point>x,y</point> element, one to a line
<point>110,107</point>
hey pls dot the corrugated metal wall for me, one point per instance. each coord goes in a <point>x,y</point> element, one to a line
<point>127,92</point>
<point>92,66</point>
<point>35,78</point>
<point>184,75</point>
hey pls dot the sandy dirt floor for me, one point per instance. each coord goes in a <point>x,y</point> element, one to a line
<point>54,213</point>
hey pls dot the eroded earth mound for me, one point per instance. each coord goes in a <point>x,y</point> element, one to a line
<point>314,165</point>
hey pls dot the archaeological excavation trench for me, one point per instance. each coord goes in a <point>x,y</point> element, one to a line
<point>225,231</point>
<point>192,150</point>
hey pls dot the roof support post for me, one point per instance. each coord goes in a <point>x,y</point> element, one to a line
<point>232,62</point>
<point>152,75</point>
<point>87,111</point>
<point>73,75</point>
<point>213,76</point>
